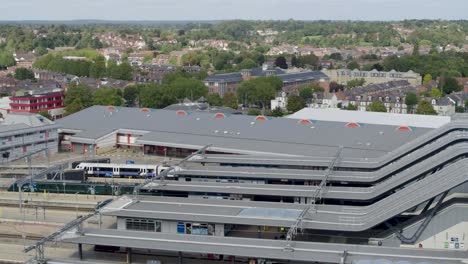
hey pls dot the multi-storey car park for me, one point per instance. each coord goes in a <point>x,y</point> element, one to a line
<point>402,197</point>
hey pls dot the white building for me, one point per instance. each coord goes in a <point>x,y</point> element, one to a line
<point>281,102</point>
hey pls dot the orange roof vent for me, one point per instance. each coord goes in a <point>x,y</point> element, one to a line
<point>220,115</point>
<point>181,113</point>
<point>353,124</point>
<point>145,110</point>
<point>305,122</point>
<point>111,108</point>
<point>404,128</point>
<point>261,118</point>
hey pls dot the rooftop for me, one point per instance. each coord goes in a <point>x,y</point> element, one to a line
<point>238,133</point>
<point>15,121</point>
<point>391,119</point>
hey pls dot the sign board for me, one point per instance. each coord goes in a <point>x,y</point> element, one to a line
<point>130,162</point>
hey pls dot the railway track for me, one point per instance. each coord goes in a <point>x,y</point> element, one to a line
<point>20,236</point>
<point>76,207</point>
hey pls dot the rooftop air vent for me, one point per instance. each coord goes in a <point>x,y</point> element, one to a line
<point>220,115</point>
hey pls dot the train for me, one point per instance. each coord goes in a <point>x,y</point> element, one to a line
<point>120,170</point>
<point>103,160</point>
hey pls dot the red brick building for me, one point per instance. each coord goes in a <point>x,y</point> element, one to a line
<point>51,102</point>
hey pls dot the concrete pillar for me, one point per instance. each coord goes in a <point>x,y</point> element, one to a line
<point>129,255</point>
<point>80,251</point>
<point>179,261</point>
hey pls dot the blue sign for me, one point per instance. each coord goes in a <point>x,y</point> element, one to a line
<point>109,174</point>
<point>181,228</point>
<point>130,162</point>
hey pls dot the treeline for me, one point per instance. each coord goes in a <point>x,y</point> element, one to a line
<point>451,64</point>
<point>174,88</point>
<point>93,66</point>
<point>225,61</point>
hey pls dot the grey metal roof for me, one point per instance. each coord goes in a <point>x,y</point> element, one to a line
<point>227,77</point>
<point>241,134</point>
<point>326,217</point>
<point>259,72</point>
<point>260,248</point>
<point>431,141</point>
<point>302,76</point>
<point>398,178</point>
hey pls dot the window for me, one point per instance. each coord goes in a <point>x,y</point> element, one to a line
<point>136,224</point>
<point>197,229</point>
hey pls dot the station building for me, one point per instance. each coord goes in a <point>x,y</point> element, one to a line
<point>295,190</point>
<point>179,133</point>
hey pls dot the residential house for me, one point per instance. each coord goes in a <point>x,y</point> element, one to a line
<point>343,76</point>
<point>24,60</point>
<point>444,106</point>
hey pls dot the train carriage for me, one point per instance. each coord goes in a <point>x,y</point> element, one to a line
<point>120,170</point>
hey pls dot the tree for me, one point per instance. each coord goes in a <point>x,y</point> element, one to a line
<point>459,109</point>
<point>131,94</point>
<point>281,62</point>
<point>277,112</point>
<point>124,71</point>
<point>230,100</point>
<point>411,100</point>
<point>351,107</point>
<point>24,74</point>
<point>41,51</point>
<point>336,56</point>
<point>6,60</point>
<point>308,91</point>
<point>214,99</point>
<point>335,87</point>
<point>427,78</point>
<point>378,67</point>
<point>377,106</point>
<point>181,88</point>
<point>259,90</point>
<point>111,68</point>
<point>295,103</point>
<point>356,83</point>
<point>77,98</point>
<point>155,96</point>
<point>306,61</point>
<point>108,96</point>
<point>353,65</point>
<point>253,112</point>
<point>98,68</point>
<point>295,61</point>
<point>425,108</point>
<point>435,93</point>
<point>450,85</point>
<point>248,64</point>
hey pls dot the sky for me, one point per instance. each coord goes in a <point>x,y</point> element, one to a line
<point>232,9</point>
